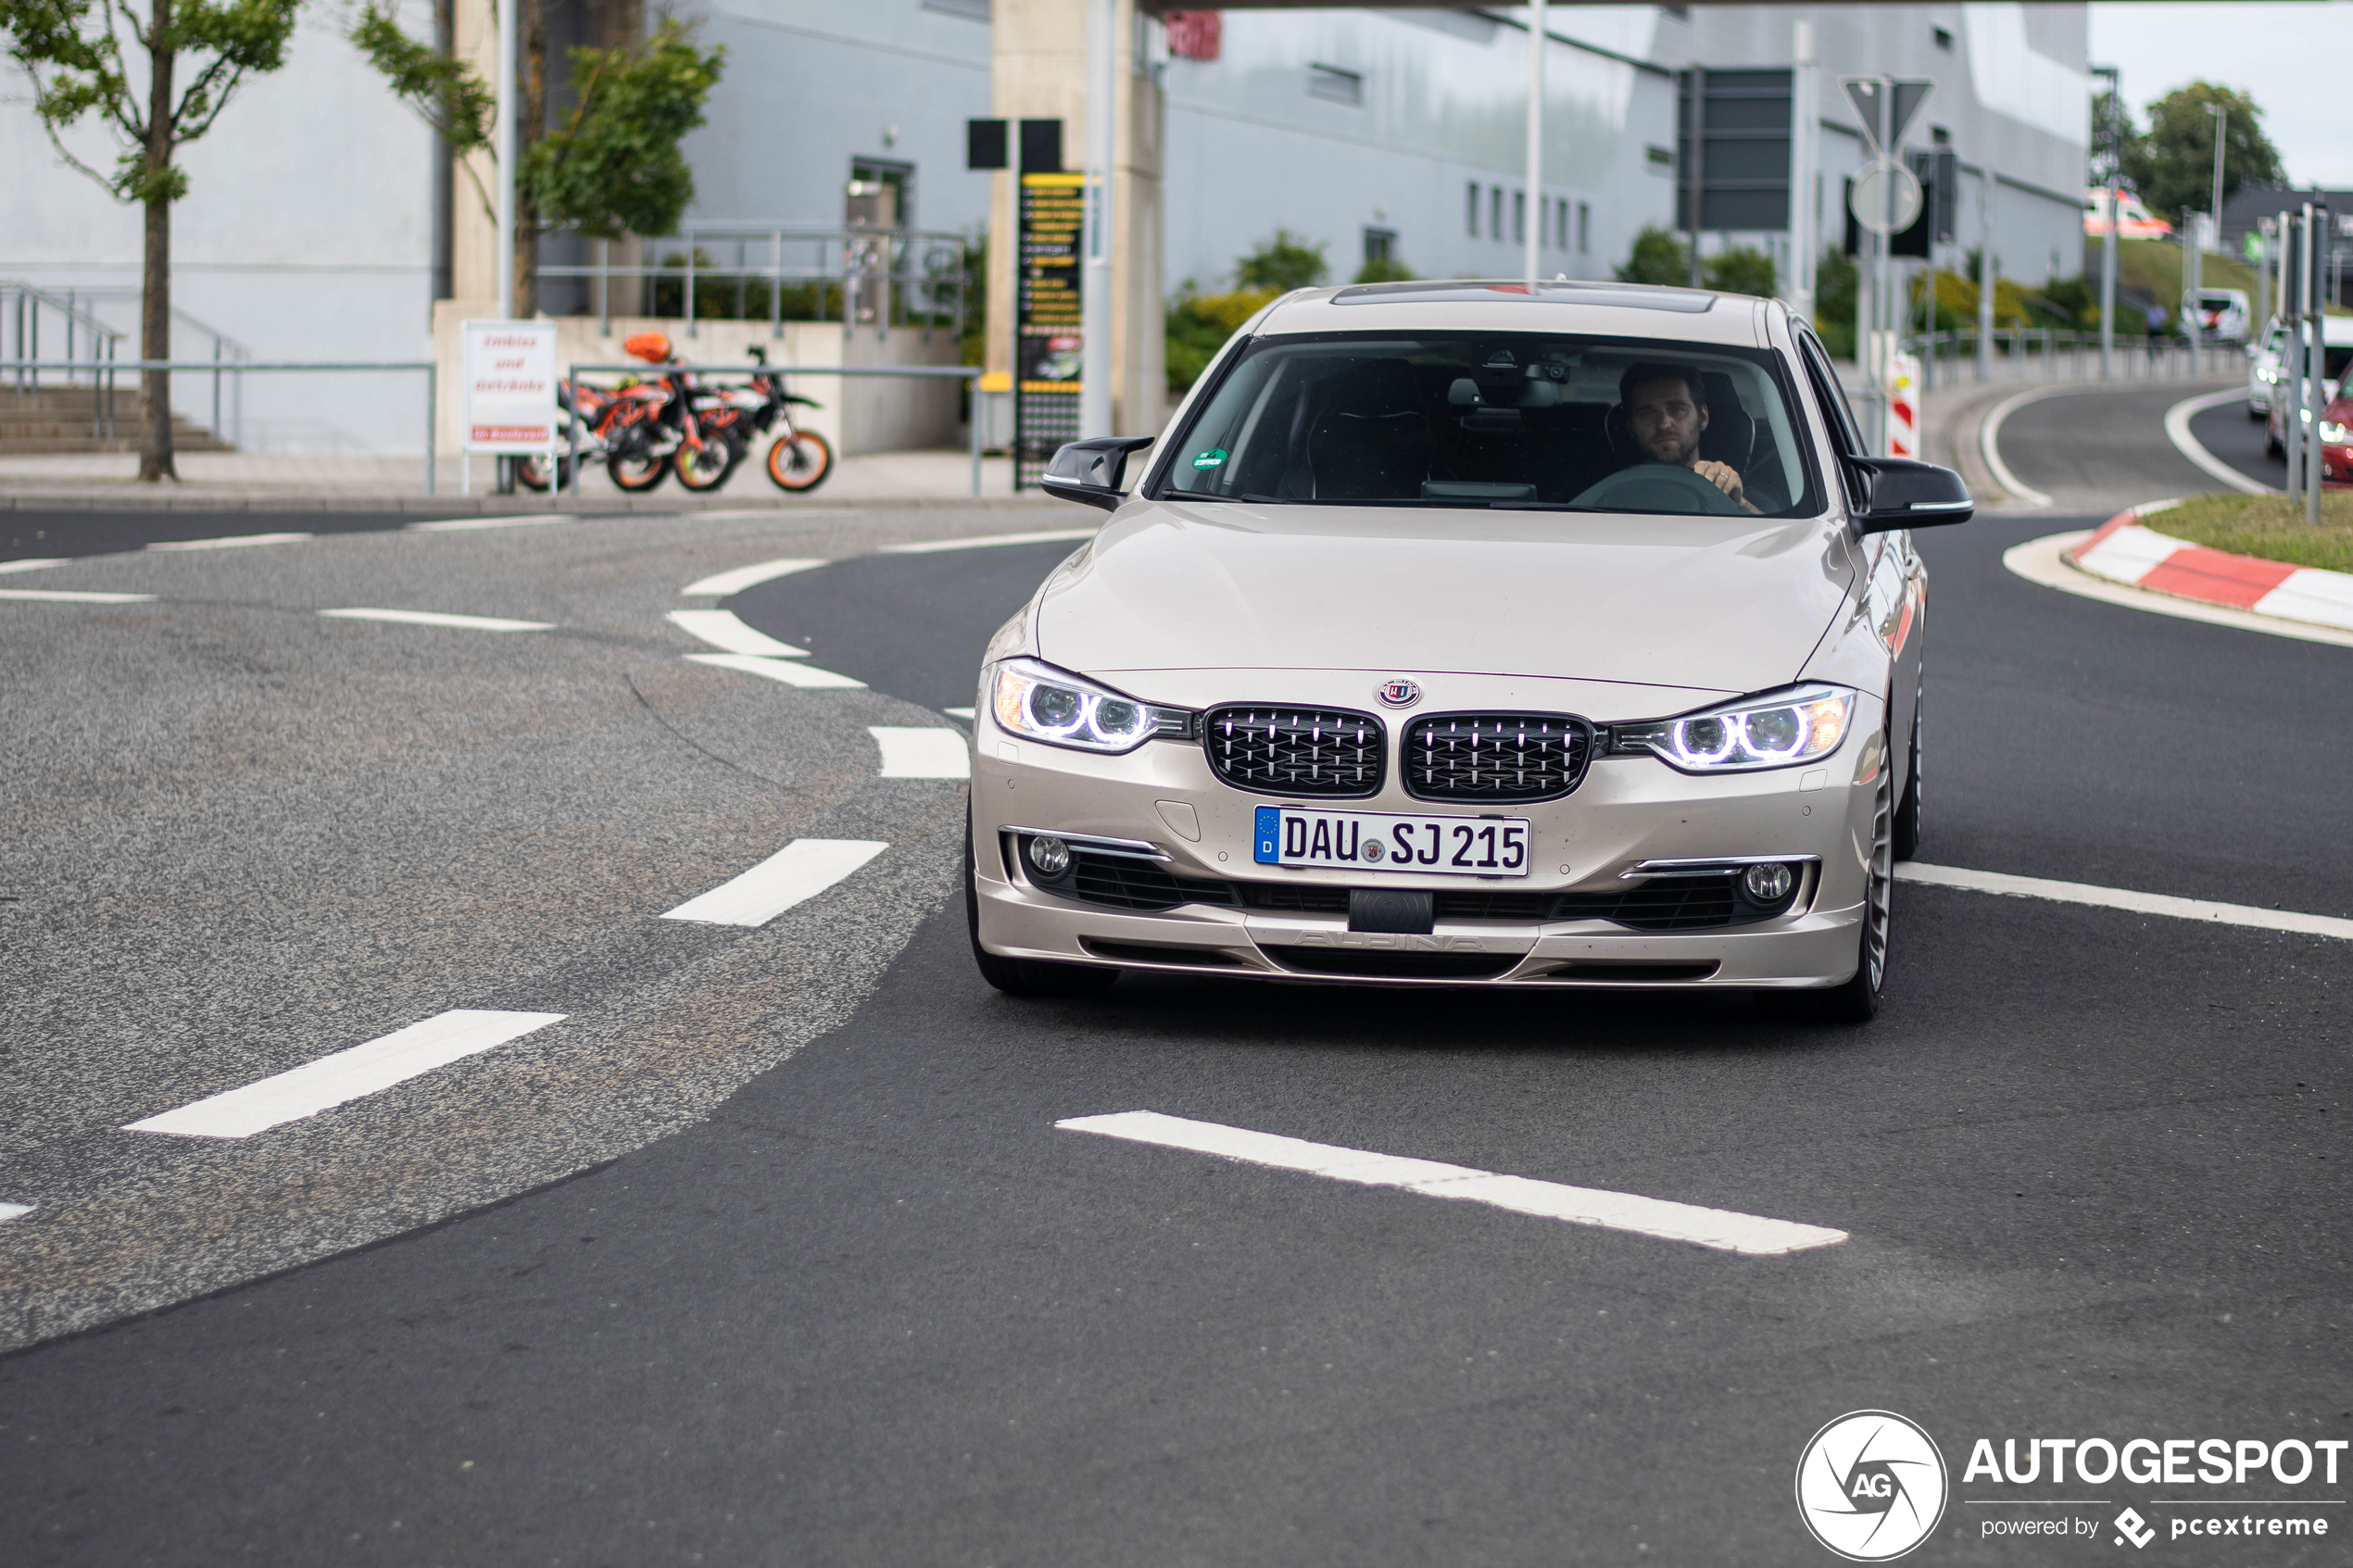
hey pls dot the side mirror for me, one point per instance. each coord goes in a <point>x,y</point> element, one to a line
<point>1903,494</point>
<point>1091,470</point>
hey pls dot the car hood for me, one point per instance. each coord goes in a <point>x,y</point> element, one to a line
<point>1710,603</point>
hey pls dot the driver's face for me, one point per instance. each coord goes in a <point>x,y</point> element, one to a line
<point>1667,422</point>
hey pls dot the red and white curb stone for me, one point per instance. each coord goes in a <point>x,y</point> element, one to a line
<point>2123,551</point>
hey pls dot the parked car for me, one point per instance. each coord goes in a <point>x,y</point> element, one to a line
<point>2336,352</point>
<point>2222,315</point>
<point>1456,636</point>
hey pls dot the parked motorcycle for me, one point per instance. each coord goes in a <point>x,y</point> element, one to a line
<point>640,431</point>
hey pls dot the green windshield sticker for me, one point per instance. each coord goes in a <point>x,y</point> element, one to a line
<point>1210,459</point>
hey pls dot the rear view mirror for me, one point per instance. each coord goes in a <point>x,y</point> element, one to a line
<point>1091,470</point>
<point>1902,494</point>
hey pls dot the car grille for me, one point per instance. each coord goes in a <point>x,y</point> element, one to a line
<point>1295,751</point>
<point>1496,757</point>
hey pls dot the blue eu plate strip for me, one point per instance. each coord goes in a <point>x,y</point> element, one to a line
<point>1268,849</point>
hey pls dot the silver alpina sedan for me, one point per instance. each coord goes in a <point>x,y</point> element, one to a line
<point>1460,634</point>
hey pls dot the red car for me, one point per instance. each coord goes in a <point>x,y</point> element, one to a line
<point>2337,421</point>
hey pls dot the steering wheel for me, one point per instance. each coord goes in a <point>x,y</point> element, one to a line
<point>1659,487</point>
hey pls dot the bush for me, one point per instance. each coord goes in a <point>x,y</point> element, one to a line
<point>1388,270</point>
<point>1199,325</point>
<point>1741,269</point>
<point>1836,280</point>
<point>1282,264</point>
<point>1658,258</point>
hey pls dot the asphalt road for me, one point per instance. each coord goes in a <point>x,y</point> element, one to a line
<point>770,1252</point>
<point>2229,435</point>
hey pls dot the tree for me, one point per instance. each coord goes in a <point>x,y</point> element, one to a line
<point>1384,269</point>
<point>1741,269</point>
<point>613,167</point>
<point>74,52</point>
<point>2114,134</point>
<point>2171,165</point>
<point>1282,264</point>
<point>1658,258</point>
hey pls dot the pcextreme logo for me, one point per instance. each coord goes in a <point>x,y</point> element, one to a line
<point>1871,1486</point>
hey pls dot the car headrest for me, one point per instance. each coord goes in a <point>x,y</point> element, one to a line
<point>1730,433</point>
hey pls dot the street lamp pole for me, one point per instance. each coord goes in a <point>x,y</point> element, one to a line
<point>1537,206</point>
<point>505,143</point>
<point>2221,123</point>
<point>1095,295</point>
<point>2108,248</point>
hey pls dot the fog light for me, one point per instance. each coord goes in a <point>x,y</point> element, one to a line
<point>1048,856</point>
<point>1768,884</point>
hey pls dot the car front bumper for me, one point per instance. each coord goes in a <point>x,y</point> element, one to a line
<point>1626,810</point>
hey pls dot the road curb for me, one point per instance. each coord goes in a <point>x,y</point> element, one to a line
<point>2124,550</point>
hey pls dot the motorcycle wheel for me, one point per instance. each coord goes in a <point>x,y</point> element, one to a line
<point>637,474</point>
<point>705,470</point>
<point>533,470</point>
<point>800,461</point>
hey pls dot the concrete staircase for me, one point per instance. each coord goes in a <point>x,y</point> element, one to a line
<point>60,419</point>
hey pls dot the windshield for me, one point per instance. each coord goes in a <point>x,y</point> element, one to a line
<point>1506,420</point>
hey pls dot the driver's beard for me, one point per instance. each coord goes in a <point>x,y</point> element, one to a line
<point>1666,450</point>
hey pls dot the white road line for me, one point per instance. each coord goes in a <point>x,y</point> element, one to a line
<point>2043,562</point>
<point>936,546</point>
<point>468,524</point>
<point>720,629</point>
<point>34,565</point>
<point>2177,430</point>
<point>346,1076</point>
<point>958,712</point>
<point>799,872</point>
<point>791,671</point>
<point>918,753</point>
<point>433,618</point>
<point>56,595</point>
<point>1717,1228</point>
<point>736,582</point>
<point>14,1211</point>
<point>1989,442</point>
<point>234,541</point>
<point>2124,898</point>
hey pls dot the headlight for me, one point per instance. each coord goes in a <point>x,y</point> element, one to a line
<point>1040,702</point>
<point>2332,432</point>
<point>2267,374</point>
<point>1743,737</point>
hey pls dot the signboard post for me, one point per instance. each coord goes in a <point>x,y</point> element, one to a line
<point>510,388</point>
<point>1048,318</point>
<point>1886,107</point>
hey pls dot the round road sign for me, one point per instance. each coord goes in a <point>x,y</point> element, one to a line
<point>1886,197</point>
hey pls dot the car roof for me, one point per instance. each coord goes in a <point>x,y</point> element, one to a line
<point>1497,305</point>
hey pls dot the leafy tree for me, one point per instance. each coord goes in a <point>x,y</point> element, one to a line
<point>2172,166</point>
<point>1199,325</point>
<point>1282,264</point>
<point>1659,257</point>
<point>613,167</point>
<point>1385,269</point>
<point>2114,134</point>
<point>74,51</point>
<point>1741,269</point>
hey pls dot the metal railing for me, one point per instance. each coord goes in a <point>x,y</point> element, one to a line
<point>109,368</point>
<point>645,371</point>
<point>2042,354</point>
<point>226,355</point>
<point>913,277</point>
<point>21,308</point>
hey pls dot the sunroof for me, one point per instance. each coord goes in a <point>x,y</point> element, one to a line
<point>1683,302</point>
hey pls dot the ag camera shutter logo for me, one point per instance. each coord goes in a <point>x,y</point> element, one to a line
<point>1871,1486</point>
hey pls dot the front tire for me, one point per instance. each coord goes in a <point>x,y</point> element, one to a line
<point>638,475</point>
<point>799,462</point>
<point>1907,811</point>
<point>708,470</point>
<point>1857,1000</point>
<point>1023,977</point>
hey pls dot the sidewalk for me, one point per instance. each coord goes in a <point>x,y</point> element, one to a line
<point>274,482</point>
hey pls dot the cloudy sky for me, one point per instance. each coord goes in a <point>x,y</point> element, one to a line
<point>2289,56</point>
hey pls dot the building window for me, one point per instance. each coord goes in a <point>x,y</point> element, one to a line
<point>1495,212</point>
<point>1944,39</point>
<point>1335,85</point>
<point>1380,244</point>
<point>1520,217</point>
<point>1584,227</point>
<point>1470,213</point>
<point>1560,224</point>
<point>1659,160</point>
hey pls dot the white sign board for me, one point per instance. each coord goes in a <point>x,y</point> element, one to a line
<point>510,385</point>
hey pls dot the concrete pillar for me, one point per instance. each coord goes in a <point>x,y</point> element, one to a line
<point>1038,71</point>
<point>473,231</point>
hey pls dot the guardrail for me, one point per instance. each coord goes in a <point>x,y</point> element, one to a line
<point>649,372</point>
<point>109,368</point>
<point>2031,354</point>
<point>916,268</point>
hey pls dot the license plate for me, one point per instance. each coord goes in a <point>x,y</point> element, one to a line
<point>1366,841</point>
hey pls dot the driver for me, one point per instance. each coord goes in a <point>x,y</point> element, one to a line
<point>1666,413</point>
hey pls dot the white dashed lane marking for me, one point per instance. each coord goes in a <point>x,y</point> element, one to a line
<point>30,565</point>
<point>720,629</point>
<point>958,712</point>
<point>1718,1228</point>
<point>921,753</point>
<point>59,596</point>
<point>346,1076</point>
<point>2124,898</point>
<point>933,546</point>
<point>791,671</point>
<point>468,524</point>
<point>433,618</point>
<point>799,872</point>
<point>736,582</point>
<point>237,541</point>
<point>14,1211</point>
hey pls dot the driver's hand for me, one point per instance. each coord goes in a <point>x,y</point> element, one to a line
<point>1722,476</point>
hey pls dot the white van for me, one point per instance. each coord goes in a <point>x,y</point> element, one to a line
<point>2223,315</point>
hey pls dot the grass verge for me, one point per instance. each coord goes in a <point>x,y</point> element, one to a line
<point>2265,526</point>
